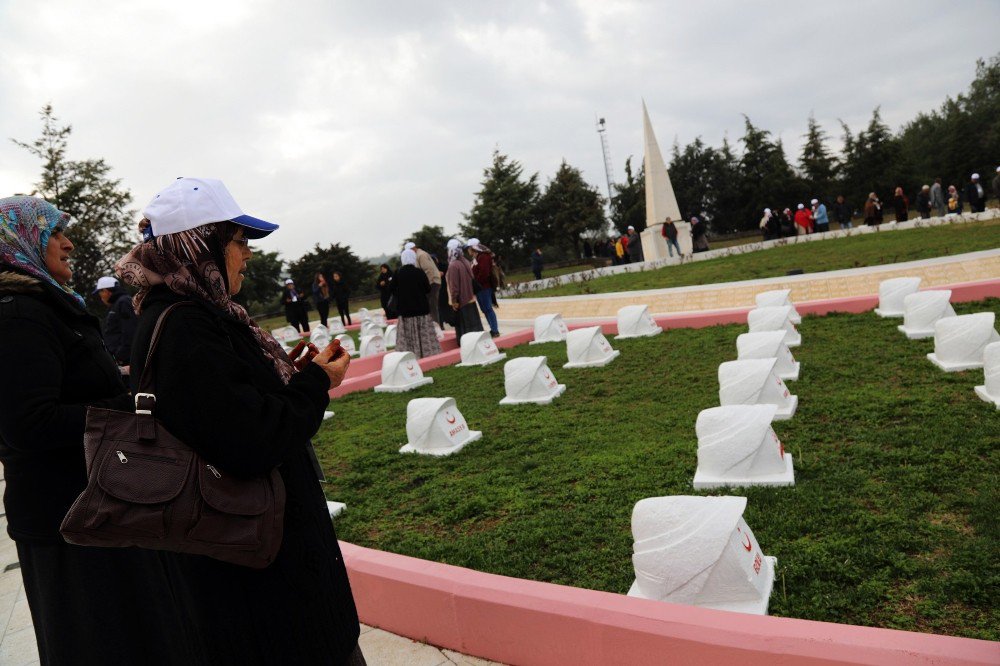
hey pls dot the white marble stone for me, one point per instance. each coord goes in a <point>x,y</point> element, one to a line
<point>364,314</point>
<point>699,551</point>
<point>738,447</point>
<point>401,372</point>
<point>922,310</point>
<point>588,348</point>
<point>369,327</point>
<point>379,319</point>
<point>435,427</point>
<point>390,336</point>
<point>327,415</point>
<point>549,328</point>
<point>769,344</point>
<point>891,294</point>
<point>287,334</point>
<point>959,342</point>
<point>336,326</point>
<point>478,348</point>
<point>347,343</point>
<point>528,379</point>
<point>372,345</point>
<point>775,318</point>
<point>990,390</point>
<point>335,508</point>
<point>753,382</point>
<point>320,336</point>
<point>778,297</point>
<point>634,321</point>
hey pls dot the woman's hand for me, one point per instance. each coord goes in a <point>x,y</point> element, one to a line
<point>334,361</point>
<point>300,361</point>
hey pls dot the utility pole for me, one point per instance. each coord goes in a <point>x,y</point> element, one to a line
<point>608,172</point>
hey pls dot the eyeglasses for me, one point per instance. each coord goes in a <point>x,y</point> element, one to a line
<point>245,242</point>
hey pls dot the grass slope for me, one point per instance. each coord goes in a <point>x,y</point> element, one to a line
<point>892,522</point>
<point>851,252</point>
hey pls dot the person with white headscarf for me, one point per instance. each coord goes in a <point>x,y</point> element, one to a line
<point>462,289</point>
<point>415,329</point>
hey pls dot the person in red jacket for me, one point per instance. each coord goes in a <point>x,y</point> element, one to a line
<point>482,273</point>
<point>803,221</point>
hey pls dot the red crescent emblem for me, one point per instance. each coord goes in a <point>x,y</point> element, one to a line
<point>409,366</point>
<point>747,544</point>
<point>449,418</point>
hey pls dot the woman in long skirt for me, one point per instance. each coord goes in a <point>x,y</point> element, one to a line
<point>415,329</point>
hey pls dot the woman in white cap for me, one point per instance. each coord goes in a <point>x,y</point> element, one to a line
<point>225,388</point>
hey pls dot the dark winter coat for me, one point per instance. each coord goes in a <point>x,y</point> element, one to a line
<point>341,292</point>
<point>294,302</point>
<point>634,248</point>
<point>977,202</point>
<point>411,287</point>
<point>119,326</point>
<point>842,212</point>
<point>924,203</point>
<point>537,261</point>
<point>218,393</point>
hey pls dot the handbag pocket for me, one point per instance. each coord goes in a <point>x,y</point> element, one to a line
<point>231,509</point>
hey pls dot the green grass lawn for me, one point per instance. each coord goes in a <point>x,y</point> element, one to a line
<point>852,252</point>
<point>892,523</point>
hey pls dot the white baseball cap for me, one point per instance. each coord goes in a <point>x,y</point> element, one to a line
<point>814,201</point>
<point>975,176</point>
<point>472,242</point>
<point>289,281</point>
<point>630,228</point>
<point>105,283</point>
<point>188,203</point>
<point>801,206</point>
<point>409,246</point>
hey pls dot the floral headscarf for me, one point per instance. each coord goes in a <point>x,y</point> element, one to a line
<point>187,262</point>
<point>26,223</point>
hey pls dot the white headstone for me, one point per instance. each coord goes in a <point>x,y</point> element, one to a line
<point>549,328</point>
<point>347,342</point>
<point>372,345</point>
<point>738,447</point>
<point>401,372</point>
<point>634,321</point>
<point>891,294</point>
<point>364,314</point>
<point>753,382</point>
<point>369,327</point>
<point>699,551</point>
<point>588,348</point>
<point>390,336</point>
<point>990,390</point>
<point>335,508</point>
<point>769,344</point>
<point>922,310</point>
<point>336,326</point>
<point>327,415</point>
<point>478,348</point>
<point>775,318</point>
<point>959,342</point>
<point>286,334</point>
<point>435,427</point>
<point>438,332</point>
<point>320,336</point>
<point>379,319</point>
<point>529,379</point>
<point>778,297</point>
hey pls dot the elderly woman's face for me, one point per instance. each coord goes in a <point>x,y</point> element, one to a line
<point>57,257</point>
<point>237,255</point>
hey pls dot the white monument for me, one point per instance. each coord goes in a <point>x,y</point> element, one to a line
<point>737,447</point>
<point>347,342</point>
<point>435,427</point>
<point>922,310</point>
<point>660,199</point>
<point>401,372</point>
<point>286,334</point>
<point>529,379</point>
<point>588,348</point>
<point>753,382</point>
<point>369,327</point>
<point>320,336</point>
<point>372,345</point>
<point>634,321</point>
<point>390,336</point>
<point>990,390</point>
<point>698,551</point>
<point>364,314</point>
<point>775,318</point>
<point>891,294</point>
<point>959,342</point>
<point>778,297</point>
<point>549,328</point>
<point>769,344</point>
<point>478,348</point>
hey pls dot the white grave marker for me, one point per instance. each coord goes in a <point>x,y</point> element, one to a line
<point>738,447</point>
<point>529,379</point>
<point>379,319</point>
<point>769,344</point>
<point>364,314</point>
<point>891,294</point>
<point>549,328</point>
<point>435,427</point>
<point>372,345</point>
<point>369,327</point>
<point>320,336</point>
<point>775,318</point>
<point>335,326</point>
<point>335,508</point>
<point>778,297</point>
<point>990,390</point>
<point>327,415</point>
<point>347,342</point>
<point>390,336</point>
<point>588,348</point>
<point>753,382</point>
<point>286,334</point>
<point>478,348</point>
<point>922,310</point>
<point>401,372</point>
<point>634,321</point>
<point>699,551</point>
<point>959,342</point>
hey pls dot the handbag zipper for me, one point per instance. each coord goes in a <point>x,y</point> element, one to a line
<point>121,457</point>
<point>145,456</point>
<point>214,471</point>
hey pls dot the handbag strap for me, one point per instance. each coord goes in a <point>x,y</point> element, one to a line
<point>145,399</point>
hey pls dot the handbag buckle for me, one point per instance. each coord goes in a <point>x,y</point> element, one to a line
<point>139,396</point>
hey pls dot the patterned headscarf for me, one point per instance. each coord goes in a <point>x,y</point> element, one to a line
<point>26,223</point>
<point>187,262</point>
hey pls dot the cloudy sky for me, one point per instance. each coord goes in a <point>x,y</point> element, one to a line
<point>358,122</point>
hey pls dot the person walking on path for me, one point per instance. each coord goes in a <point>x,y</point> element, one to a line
<point>787,223</point>
<point>295,307</point>
<point>842,212</point>
<point>482,271</point>
<point>537,263</point>
<point>924,202</point>
<point>669,231</point>
<point>321,297</point>
<point>461,294</point>
<point>938,202</point>
<point>975,194</point>
<point>634,246</point>
<point>383,282</point>
<point>803,221</point>
<point>901,205</point>
<point>88,605</point>
<point>342,296</point>
<point>119,325</point>
<point>954,201</point>
<point>415,328</point>
<point>226,389</point>
<point>426,263</point>
<point>699,239</point>
<point>873,210</point>
<point>820,216</point>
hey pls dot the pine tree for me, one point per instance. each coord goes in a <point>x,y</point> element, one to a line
<point>817,163</point>
<point>628,204</point>
<point>504,213</point>
<point>571,208</point>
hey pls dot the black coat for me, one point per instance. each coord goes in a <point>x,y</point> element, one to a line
<point>218,393</point>
<point>411,287</point>
<point>341,292</point>
<point>119,326</point>
<point>294,302</point>
<point>977,204</point>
